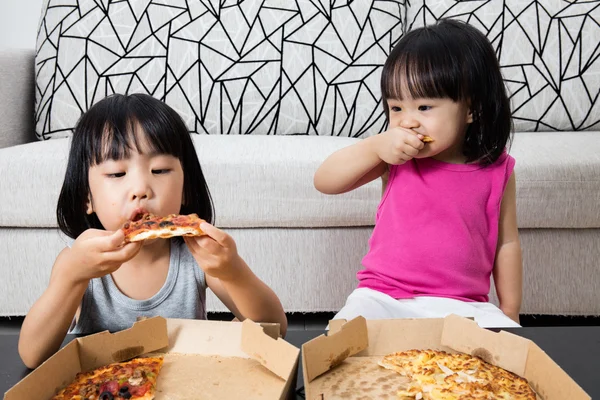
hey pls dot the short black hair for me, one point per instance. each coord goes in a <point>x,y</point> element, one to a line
<point>452,59</point>
<point>106,131</point>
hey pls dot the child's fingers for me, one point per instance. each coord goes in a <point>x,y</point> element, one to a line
<point>105,240</point>
<point>114,241</point>
<point>117,238</point>
<point>125,253</point>
<point>208,244</point>
<point>218,235</point>
<point>415,142</point>
<point>196,248</point>
<point>411,151</point>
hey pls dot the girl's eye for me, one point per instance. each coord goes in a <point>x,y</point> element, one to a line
<point>396,109</point>
<point>424,108</point>
<point>116,175</point>
<point>161,171</point>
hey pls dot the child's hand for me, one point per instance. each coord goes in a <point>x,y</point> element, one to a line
<point>96,253</point>
<point>216,252</point>
<point>399,145</point>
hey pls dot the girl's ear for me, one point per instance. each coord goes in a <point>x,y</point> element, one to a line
<point>470,113</point>
<point>90,208</point>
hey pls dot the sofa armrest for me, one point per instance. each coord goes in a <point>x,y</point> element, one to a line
<point>17,97</point>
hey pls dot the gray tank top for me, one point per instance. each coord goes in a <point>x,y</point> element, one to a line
<point>183,295</point>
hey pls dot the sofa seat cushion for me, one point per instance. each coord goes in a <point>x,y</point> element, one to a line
<point>255,181</point>
<point>267,181</point>
<point>558,179</point>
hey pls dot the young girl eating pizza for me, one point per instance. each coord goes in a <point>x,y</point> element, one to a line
<point>447,218</point>
<point>130,155</point>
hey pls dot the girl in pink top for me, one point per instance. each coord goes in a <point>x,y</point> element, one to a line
<point>447,218</point>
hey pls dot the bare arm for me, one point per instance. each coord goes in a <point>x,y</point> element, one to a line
<point>508,268</point>
<point>46,324</point>
<point>95,253</point>
<point>350,168</point>
<point>356,165</point>
<point>230,278</point>
<point>249,297</point>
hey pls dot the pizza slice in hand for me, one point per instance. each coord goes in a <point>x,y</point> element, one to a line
<point>148,226</point>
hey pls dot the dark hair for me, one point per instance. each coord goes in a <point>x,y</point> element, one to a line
<point>452,59</point>
<point>105,132</point>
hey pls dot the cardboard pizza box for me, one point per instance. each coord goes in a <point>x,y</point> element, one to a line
<point>343,364</point>
<point>214,357</point>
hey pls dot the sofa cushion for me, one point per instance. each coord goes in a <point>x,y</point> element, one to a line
<point>254,181</point>
<point>260,181</point>
<point>228,67</point>
<point>548,52</point>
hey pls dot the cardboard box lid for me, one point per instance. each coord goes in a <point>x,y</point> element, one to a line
<point>251,340</point>
<point>87,353</point>
<point>325,352</point>
<point>509,351</point>
<point>277,355</point>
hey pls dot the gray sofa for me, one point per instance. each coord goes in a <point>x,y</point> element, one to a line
<point>307,246</point>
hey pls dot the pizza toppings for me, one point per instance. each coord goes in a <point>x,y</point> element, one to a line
<point>124,392</point>
<point>106,396</point>
<point>148,226</point>
<point>440,375</point>
<point>135,379</point>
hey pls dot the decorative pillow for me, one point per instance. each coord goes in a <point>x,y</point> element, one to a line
<point>548,51</point>
<point>227,66</point>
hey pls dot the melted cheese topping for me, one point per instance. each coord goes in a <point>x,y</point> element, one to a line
<point>438,375</point>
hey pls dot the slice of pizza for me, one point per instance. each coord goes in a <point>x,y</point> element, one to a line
<point>134,380</point>
<point>438,375</point>
<point>148,226</point>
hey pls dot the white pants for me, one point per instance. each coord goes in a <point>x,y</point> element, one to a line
<point>372,304</point>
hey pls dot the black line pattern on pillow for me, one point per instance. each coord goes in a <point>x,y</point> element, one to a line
<point>308,67</point>
<point>549,52</point>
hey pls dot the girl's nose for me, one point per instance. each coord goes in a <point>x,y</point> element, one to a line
<point>139,196</point>
<point>409,123</point>
<point>140,189</point>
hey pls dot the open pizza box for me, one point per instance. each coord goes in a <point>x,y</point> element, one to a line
<point>343,364</point>
<point>221,360</point>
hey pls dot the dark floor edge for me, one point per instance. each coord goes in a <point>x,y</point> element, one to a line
<point>527,320</point>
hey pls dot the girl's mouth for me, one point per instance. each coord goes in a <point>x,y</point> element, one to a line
<point>137,214</point>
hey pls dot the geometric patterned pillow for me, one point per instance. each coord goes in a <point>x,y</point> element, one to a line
<point>227,66</point>
<point>548,52</point>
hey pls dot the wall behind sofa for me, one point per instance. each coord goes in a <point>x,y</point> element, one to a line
<point>18,23</point>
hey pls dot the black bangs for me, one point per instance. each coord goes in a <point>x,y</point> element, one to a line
<point>111,129</point>
<point>423,65</point>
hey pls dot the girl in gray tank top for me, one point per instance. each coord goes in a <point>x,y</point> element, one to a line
<point>131,155</point>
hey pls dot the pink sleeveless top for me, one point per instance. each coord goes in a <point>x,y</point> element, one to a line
<point>436,230</point>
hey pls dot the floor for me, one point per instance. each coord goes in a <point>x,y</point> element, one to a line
<point>300,321</point>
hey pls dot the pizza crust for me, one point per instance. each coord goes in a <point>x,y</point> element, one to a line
<point>165,233</point>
